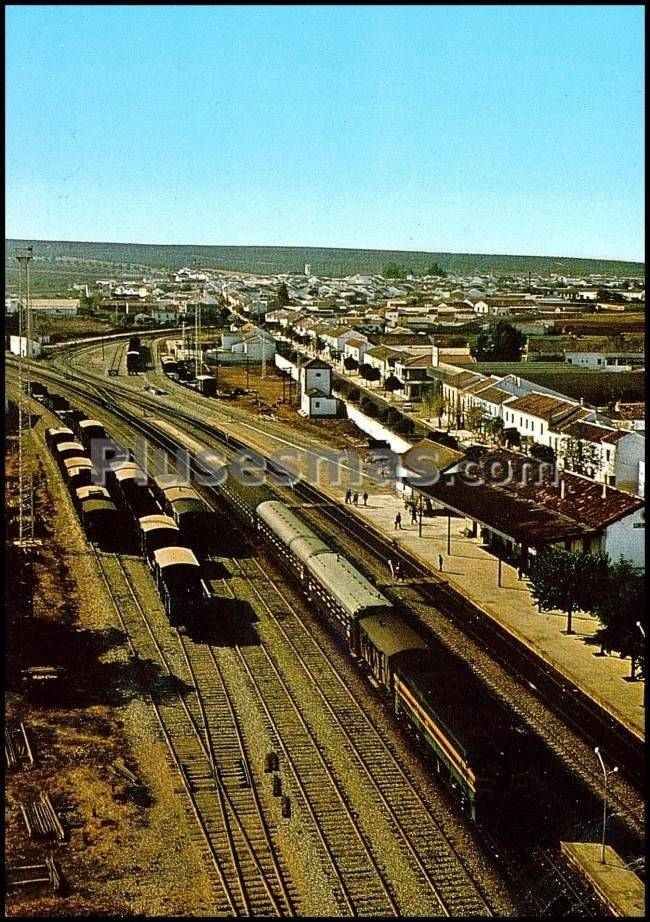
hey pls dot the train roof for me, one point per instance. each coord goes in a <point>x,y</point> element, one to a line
<point>175,556</point>
<point>92,489</point>
<point>126,470</point>
<point>344,582</point>
<point>390,634</point>
<point>291,530</point>
<point>153,522</point>
<point>95,505</point>
<point>86,423</point>
<point>473,717</point>
<point>69,446</point>
<point>78,461</point>
<point>62,430</point>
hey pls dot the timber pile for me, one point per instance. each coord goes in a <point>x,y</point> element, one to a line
<point>41,819</point>
<point>18,751</point>
<point>31,875</point>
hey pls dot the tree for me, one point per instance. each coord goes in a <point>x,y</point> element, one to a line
<point>372,373</point>
<point>511,437</point>
<point>392,383</point>
<point>355,395</point>
<point>581,457</point>
<point>364,371</point>
<point>368,407</point>
<point>495,428</point>
<point>618,601</point>
<point>434,404</point>
<point>283,295</point>
<point>542,453</point>
<point>319,344</point>
<point>394,271</point>
<point>436,270</point>
<point>474,419</point>
<point>564,580</point>
<point>501,343</point>
<point>350,363</point>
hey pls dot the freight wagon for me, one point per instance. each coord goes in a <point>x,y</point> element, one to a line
<point>179,584</point>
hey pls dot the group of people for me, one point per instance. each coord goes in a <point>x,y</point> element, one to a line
<point>353,498</point>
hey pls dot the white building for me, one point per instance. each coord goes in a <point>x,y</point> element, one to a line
<point>316,389</point>
<point>18,346</point>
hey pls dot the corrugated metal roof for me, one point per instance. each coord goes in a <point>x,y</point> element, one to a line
<point>390,635</point>
<point>344,582</point>
<point>175,556</point>
<point>126,470</point>
<point>62,431</point>
<point>152,522</point>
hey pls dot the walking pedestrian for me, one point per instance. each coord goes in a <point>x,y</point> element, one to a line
<point>398,521</point>
<point>348,496</point>
<point>355,499</point>
<point>414,515</point>
<point>440,562</point>
<point>365,499</point>
<point>520,572</point>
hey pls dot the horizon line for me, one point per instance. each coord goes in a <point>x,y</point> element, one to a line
<point>284,246</point>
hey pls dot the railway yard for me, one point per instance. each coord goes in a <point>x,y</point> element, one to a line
<point>225,738</point>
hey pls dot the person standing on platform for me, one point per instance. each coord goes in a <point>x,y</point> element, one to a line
<point>365,499</point>
<point>398,521</point>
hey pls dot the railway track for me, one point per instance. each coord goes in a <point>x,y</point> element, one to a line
<point>431,855</point>
<point>360,885</point>
<point>245,884</point>
<point>547,688</point>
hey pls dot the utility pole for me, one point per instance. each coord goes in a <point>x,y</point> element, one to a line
<point>25,478</point>
<point>606,775</point>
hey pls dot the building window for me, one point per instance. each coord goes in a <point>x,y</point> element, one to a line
<point>541,428</point>
<point>607,455</point>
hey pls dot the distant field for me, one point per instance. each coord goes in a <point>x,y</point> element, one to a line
<point>597,387</point>
<point>96,258</point>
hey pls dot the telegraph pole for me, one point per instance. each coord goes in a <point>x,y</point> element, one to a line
<point>25,478</point>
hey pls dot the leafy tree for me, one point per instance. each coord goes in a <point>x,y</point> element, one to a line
<point>474,419</point>
<point>392,383</point>
<point>350,363</point>
<point>283,295</point>
<point>619,601</point>
<point>368,407</point>
<point>564,580</point>
<point>434,404</point>
<point>364,370</point>
<point>436,270</point>
<point>394,271</point>
<point>372,373</point>
<point>542,453</point>
<point>501,343</point>
<point>319,343</point>
<point>581,457</point>
<point>495,428</point>
<point>511,437</point>
<point>354,395</point>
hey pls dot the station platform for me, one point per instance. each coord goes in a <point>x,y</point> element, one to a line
<point>621,891</point>
<point>473,571</point>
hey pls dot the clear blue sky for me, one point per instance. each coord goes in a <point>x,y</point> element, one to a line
<point>464,129</point>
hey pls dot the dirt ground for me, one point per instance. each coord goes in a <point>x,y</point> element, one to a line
<point>272,397</point>
<point>128,849</point>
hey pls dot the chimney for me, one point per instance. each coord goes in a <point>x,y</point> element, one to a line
<point>604,491</point>
<point>562,488</point>
<point>617,406</point>
<point>582,401</point>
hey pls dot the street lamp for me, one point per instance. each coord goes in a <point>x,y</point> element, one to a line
<point>606,775</point>
<point>640,627</point>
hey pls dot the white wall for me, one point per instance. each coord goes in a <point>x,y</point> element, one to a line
<point>630,450</point>
<point>623,540</point>
<point>375,429</point>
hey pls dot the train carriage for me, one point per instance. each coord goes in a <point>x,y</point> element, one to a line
<point>89,429</point>
<point>54,436</point>
<point>474,744</point>
<point>129,487</point>
<point>78,472</point>
<point>37,390</point>
<point>91,491</point>
<point>156,532</point>
<point>382,638</point>
<point>196,521</point>
<point>178,579</point>
<point>292,539</point>
<point>343,594</point>
<point>57,403</point>
<point>65,450</point>
<point>101,520</point>
<point>207,385</point>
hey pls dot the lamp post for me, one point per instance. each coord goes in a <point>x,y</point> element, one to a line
<point>606,775</point>
<point>640,627</point>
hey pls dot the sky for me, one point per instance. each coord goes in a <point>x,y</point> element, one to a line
<point>484,129</point>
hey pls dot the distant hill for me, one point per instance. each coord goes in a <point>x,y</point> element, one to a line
<point>65,259</point>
